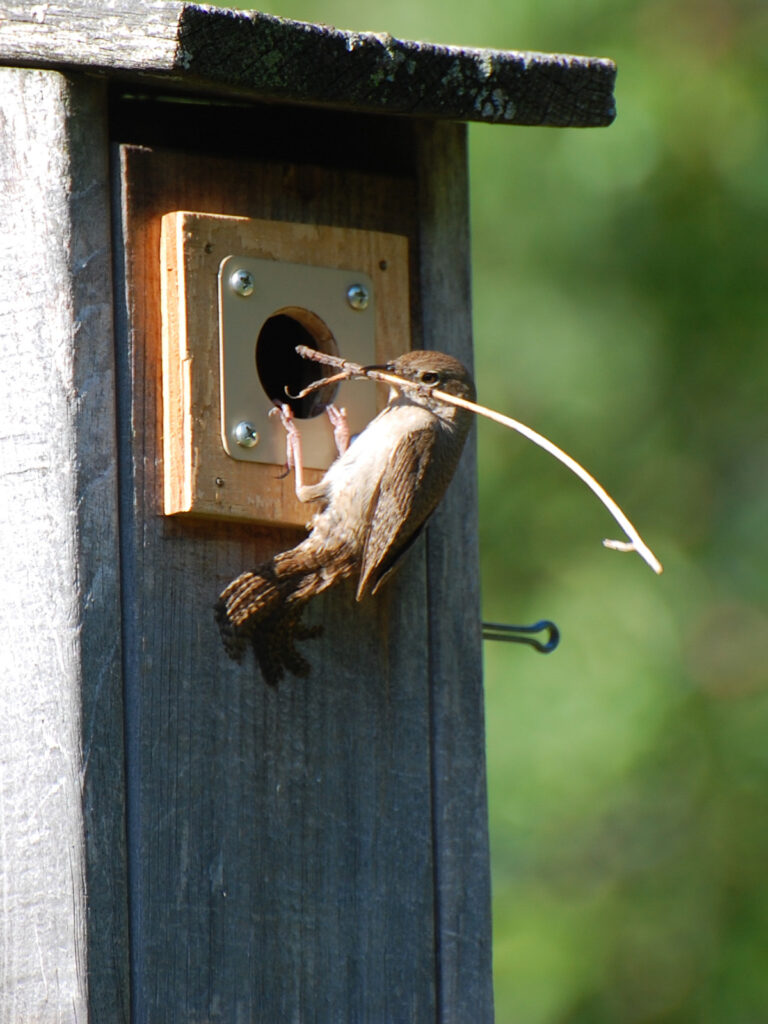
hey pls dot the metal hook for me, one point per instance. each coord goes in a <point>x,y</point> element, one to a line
<point>498,631</point>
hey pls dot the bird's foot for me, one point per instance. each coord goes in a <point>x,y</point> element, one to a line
<point>340,424</point>
<point>293,456</point>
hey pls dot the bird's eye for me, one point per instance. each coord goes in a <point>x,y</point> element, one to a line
<point>429,377</point>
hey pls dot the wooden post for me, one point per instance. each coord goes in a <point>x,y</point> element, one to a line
<point>318,852</point>
<point>62,793</point>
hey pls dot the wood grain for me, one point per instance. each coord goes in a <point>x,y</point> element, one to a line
<point>281,841</point>
<point>318,852</point>
<point>460,816</point>
<point>259,56</point>
<point>63,944</point>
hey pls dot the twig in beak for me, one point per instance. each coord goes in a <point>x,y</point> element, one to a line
<point>349,371</point>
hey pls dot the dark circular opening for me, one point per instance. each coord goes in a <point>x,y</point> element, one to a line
<point>281,369</point>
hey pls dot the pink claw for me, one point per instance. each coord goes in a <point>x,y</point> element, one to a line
<point>293,456</point>
<point>340,424</point>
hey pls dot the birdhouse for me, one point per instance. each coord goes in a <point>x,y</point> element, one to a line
<point>187,193</point>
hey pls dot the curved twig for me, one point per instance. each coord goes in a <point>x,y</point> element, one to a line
<point>351,370</point>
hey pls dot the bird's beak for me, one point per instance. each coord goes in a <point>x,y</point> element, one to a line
<point>386,367</point>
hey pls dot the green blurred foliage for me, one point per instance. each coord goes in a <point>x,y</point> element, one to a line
<point>621,308</point>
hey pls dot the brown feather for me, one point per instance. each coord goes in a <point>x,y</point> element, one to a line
<point>401,508</point>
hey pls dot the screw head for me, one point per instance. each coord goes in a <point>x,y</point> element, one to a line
<point>241,282</point>
<point>246,434</point>
<point>358,297</point>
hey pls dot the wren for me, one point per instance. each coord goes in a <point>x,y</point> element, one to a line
<point>374,501</point>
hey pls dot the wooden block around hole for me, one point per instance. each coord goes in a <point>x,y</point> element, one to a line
<point>200,478</point>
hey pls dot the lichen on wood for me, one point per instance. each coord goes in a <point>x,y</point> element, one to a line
<point>264,57</point>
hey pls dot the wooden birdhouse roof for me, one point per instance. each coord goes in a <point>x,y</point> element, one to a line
<point>263,57</point>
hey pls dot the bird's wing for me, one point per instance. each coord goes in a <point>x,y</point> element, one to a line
<point>399,508</point>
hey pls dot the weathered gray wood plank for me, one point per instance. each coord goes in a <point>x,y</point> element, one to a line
<point>282,841</point>
<point>460,814</point>
<point>267,57</point>
<point>63,945</point>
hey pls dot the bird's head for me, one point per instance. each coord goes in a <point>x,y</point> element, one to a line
<point>431,371</point>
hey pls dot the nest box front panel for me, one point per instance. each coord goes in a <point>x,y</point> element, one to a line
<point>238,295</point>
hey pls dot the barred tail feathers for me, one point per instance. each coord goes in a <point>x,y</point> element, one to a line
<point>249,599</point>
<point>263,608</point>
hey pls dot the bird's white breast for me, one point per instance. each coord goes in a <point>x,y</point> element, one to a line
<point>353,479</point>
<point>363,463</point>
